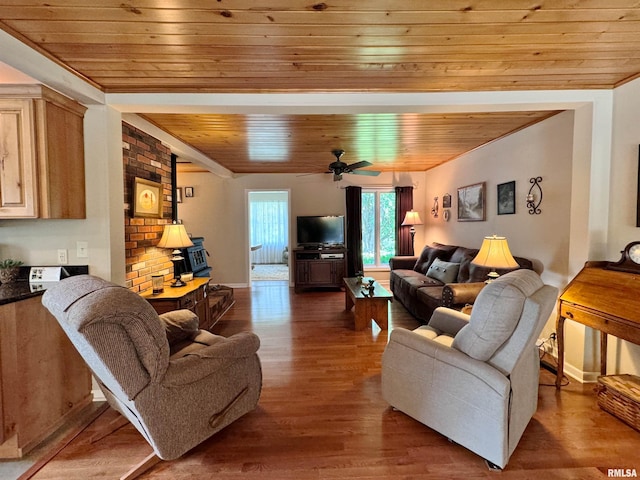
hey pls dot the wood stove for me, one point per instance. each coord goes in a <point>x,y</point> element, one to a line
<point>196,258</point>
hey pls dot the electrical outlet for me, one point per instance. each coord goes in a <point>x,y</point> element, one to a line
<point>63,258</point>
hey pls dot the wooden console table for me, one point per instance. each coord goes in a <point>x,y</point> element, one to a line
<point>193,296</point>
<point>605,300</point>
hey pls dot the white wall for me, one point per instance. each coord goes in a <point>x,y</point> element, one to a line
<point>624,356</point>
<point>218,210</point>
<point>545,150</point>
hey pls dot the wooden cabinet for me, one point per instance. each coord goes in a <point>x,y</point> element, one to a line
<point>319,268</point>
<point>43,380</point>
<point>41,154</point>
<point>192,297</point>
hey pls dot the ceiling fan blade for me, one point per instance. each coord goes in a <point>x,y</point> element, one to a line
<point>370,173</point>
<point>361,164</point>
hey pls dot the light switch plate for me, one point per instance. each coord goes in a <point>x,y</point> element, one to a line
<point>82,249</point>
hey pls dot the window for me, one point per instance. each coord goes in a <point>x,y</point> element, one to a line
<point>378,227</point>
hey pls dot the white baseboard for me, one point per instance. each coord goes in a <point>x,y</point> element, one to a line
<point>98,396</point>
<point>551,349</point>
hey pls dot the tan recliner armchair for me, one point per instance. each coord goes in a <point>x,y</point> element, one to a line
<point>176,384</point>
<point>474,378</point>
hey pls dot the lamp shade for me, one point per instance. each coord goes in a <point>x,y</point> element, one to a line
<point>494,253</point>
<point>175,236</point>
<point>412,218</point>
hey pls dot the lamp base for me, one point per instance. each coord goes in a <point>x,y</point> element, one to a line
<point>491,276</point>
<point>177,260</point>
<point>178,283</point>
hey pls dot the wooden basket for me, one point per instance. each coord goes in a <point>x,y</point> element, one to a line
<point>620,396</point>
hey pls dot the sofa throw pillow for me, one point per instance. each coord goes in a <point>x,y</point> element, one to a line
<point>429,253</point>
<point>446,272</point>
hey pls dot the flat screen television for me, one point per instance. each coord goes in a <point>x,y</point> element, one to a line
<point>319,230</point>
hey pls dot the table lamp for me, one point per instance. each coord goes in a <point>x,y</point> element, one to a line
<point>175,236</point>
<point>494,253</point>
<point>412,218</point>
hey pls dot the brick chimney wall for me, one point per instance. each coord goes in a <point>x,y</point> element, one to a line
<point>145,157</point>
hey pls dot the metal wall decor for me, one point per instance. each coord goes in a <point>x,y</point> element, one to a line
<point>534,197</point>
<point>434,209</point>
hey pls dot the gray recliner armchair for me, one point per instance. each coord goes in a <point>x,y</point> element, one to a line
<point>474,378</point>
<point>177,384</point>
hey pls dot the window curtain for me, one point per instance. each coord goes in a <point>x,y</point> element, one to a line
<point>269,219</point>
<point>354,230</point>
<point>404,203</point>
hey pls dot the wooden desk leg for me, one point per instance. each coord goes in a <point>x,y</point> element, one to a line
<point>603,353</point>
<point>560,338</point>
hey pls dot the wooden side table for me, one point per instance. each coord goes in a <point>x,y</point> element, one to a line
<point>193,297</point>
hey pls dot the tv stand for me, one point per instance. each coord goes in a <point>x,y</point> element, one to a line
<point>319,268</point>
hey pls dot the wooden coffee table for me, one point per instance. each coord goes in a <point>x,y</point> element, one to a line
<point>368,305</point>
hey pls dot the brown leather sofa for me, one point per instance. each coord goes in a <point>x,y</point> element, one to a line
<point>452,281</point>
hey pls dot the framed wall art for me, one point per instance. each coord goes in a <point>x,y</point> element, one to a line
<point>507,198</point>
<point>147,198</point>
<point>471,203</point>
<point>446,201</point>
<point>179,194</point>
<point>188,191</point>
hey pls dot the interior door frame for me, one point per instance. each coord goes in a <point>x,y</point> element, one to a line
<point>248,192</point>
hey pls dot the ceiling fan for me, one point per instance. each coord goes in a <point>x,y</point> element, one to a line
<point>338,167</point>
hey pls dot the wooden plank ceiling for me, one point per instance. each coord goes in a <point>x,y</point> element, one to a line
<point>265,46</point>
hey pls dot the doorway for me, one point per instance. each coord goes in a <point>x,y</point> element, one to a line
<point>269,235</point>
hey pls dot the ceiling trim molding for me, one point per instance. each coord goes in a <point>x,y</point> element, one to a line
<point>25,59</point>
<point>336,103</point>
<point>183,150</point>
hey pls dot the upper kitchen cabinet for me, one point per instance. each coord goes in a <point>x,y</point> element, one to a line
<point>41,154</point>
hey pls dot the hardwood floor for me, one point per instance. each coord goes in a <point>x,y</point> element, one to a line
<point>321,415</point>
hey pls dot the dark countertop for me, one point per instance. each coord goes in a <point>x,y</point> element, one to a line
<point>21,289</point>
<point>14,292</point>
